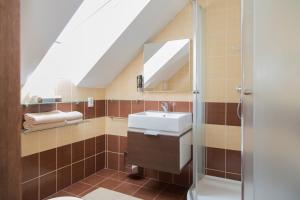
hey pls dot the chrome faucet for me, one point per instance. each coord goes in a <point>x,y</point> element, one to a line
<point>165,106</point>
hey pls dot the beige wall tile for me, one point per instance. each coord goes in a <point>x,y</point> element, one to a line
<point>215,90</point>
<point>47,139</point>
<point>231,94</point>
<point>215,136</point>
<point>30,143</point>
<point>116,126</point>
<point>233,138</point>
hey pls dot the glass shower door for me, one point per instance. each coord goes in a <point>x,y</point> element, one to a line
<point>198,102</point>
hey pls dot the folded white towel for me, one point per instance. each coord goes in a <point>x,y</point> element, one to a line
<point>76,121</point>
<point>52,117</point>
<point>38,127</point>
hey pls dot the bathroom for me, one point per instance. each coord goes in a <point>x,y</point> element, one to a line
<point>149,99</point>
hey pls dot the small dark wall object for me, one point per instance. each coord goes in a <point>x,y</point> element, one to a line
<point>140,83</point>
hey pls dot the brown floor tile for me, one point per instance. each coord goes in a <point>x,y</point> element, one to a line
<point>77,188</point>
<point>156,185</point>
<point>106,172</point>
<point>137,181</point>
<point>147,193</point>
<point>169,196</point>
<point>93,179</point>
<point>120,176</point>
<point>88,191</point>
<point>109,183</point>
<point>127,188</point>
<point>175,189</point>
<point>61,194</point>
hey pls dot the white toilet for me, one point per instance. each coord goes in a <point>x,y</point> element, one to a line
<point>65,198</point>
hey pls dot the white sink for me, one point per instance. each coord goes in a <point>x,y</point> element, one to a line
<point>161,121</point>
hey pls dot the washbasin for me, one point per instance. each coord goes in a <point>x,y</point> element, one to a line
<point>161,121</point>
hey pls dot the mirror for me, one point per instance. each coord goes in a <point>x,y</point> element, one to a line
<point>167,66</point>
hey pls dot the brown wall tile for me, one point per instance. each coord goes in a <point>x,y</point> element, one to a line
<point>100,161</point>
<point>233,161</point>
<point>123,144</point>
<point>113,108</point>
<point>30,167</point>
<point>231,115</point>
<point>77,151</point>
<point>211,172</point>
<point>151,105</point>
<point>236,177</point>
<point>151,173</point>
<point>113,143</point>
<point>215,113</point>
<point>183,178</point>
<point>182,106</point>
<point>47,185</point>
<point>122,163</point>
<point>112,161</point>
<point>137,106</point>
<point>30,190</point>
<point>215,158</point>
<point>78,107</point>
<point>47,107</point>
<point>125,108</point>
<point>63,178</point>
<point>165,177</point>
<point>47,161</point>
<point>63,156</point>
<point>65,107</point>
<point>77,171</point>
<point>90,147</point>
<point>100,108</point>
<point>90,166</point>
<point>100,144</point>
<point>89,112</point>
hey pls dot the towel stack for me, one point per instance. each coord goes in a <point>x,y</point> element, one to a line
<point>53,119</point>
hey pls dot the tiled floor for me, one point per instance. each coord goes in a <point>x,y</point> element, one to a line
<point>144,188</point>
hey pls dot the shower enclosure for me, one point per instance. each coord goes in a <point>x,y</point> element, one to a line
<point>215,51</point>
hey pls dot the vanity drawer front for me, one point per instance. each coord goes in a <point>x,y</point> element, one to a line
<point>154,152</point>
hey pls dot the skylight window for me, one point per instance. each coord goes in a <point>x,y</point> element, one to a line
<point>166,61</point>
<point>92,30</point>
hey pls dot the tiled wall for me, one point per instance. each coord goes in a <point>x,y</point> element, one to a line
<point>47,172</point>
<point>94,125</point>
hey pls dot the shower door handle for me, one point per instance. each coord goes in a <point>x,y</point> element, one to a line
<point>247,92</point>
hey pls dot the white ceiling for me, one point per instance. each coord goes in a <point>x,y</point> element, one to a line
<point>91,49</point>
<point>156,15</point>
<point>41,23</point>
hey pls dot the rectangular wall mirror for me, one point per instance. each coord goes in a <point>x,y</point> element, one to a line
<point>167,66</point>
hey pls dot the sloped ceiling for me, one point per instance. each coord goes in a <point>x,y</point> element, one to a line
<point>41,23</point>
<point>156,15</point>
<point>88,42</point>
